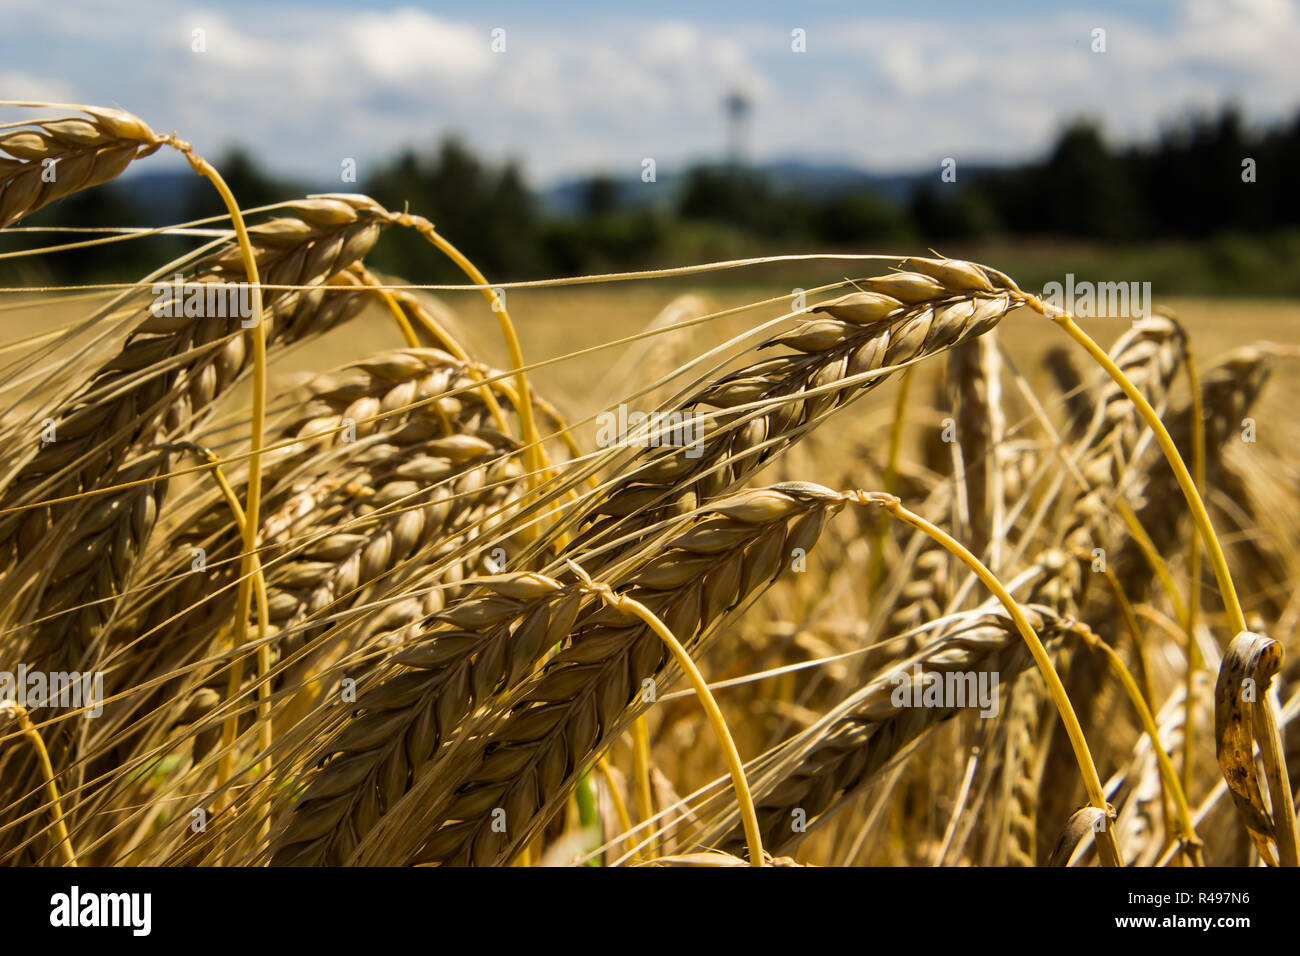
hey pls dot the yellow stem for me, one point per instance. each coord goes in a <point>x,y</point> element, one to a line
<point>890,479</point>
<point>735,766</point>
<point>1200,516</point>
<point>536,463</point>
<point>1194,661</point>
<point>1129,617</point>
<point>563,434</point>
<point>1155,561</point>
<point>534,453</point>
<point>1187,832</point>
<point>1269,737</point>
<point>403,323</point>
<point>436,332</point>
<point>252,508</point>
<point>231,725</point>
<point>620,805</point>
<point>641,777</point>
<point>29,731</point>
<point>1107,845</point>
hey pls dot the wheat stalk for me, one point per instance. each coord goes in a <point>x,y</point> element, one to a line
<point>766,407</point>
<point>815,771</point>
<point>412,479</point>
<point>141,408</point>
<point>744,539</point>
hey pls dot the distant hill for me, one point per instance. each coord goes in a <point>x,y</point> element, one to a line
<point>818,180</point>
<point>163,194</point>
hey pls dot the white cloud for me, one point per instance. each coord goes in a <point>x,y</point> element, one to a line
<point>20,85</point>
<point>670,43</point>
<point>409,46</point>
<point>311,85</point>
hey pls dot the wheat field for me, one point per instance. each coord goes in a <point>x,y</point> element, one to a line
<point>866,561</point>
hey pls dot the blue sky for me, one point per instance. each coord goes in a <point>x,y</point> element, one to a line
<point>602,86</point>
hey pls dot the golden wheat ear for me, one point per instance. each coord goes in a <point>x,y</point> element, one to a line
<point>50,159</point>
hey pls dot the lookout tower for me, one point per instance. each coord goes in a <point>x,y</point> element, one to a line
<point>737,108</point>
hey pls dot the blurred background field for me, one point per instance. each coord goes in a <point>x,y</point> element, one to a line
<point>557,325</point>
<point>1173,210</point>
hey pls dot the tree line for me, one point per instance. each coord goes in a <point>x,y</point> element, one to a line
<point>1208,177</point>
